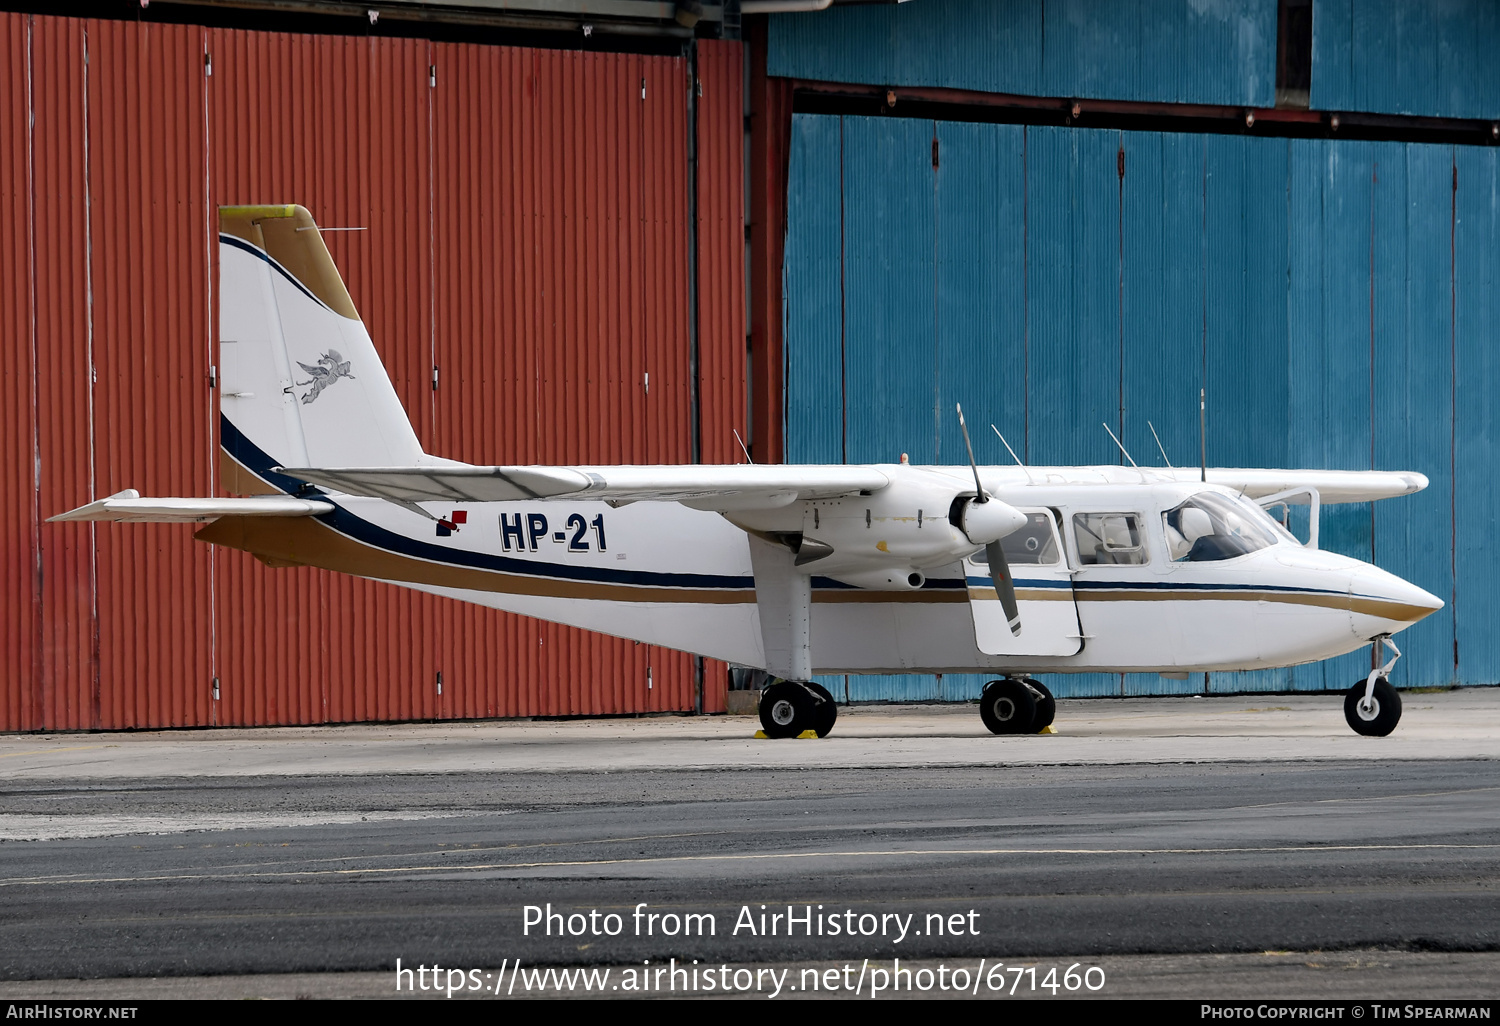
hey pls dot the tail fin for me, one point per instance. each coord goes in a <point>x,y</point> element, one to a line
<point>301,382</point>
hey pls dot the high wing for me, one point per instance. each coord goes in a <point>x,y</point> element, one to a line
<point>722,488</point>
<point>129,507</point>
<point>1333,486</point>
<point>761,486</point>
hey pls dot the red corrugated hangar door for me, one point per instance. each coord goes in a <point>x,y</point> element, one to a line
<point>514,229</point>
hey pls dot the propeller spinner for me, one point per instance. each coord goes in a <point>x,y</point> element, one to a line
<point>994,552</point>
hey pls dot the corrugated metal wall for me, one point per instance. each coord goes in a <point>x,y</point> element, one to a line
<point>20,553</point>
<point>1169,51</point>
<point>524,222</point>
<point>1397,57</point>
<point>1335,298</point>
<point>722,372</point>
<point>148,335</point>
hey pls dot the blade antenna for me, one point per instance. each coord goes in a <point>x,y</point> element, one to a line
<point>1012,454</point>
<point>1203,434</point>
<point>1122,448</point>
<point>979,488</point>
<point>744,450</point>
<point>1160,446</point>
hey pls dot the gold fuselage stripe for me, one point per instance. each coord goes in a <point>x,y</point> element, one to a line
<point>310,542</point>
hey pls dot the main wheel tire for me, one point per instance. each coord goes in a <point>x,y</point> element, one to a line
<point>1046,707</point>
<point>827,712</point>
<point>787,708</point>
<point>1381,717</point>
<point>1007,707</point>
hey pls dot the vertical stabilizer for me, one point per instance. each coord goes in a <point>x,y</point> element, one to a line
<point>301,382</point>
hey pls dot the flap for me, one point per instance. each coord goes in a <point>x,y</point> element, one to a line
<point>744,486</point>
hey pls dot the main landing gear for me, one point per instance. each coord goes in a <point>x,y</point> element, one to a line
<point>1017,705</point>
<point>1372,707</point>
<point>789,707</point>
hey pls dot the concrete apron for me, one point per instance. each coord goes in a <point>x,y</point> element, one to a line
<point>1461,724</point>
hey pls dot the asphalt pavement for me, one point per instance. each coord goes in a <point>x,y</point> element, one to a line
<point>1197,848</point>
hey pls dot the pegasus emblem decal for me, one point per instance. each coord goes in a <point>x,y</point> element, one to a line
<point>330,367</point>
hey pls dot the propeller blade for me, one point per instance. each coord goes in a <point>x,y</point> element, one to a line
<point>979,496</point>
<point>1005,587</point>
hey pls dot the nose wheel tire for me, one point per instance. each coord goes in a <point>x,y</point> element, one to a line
<point>1376,717</point>
<point>789,707</point>
<point>1008,707</point>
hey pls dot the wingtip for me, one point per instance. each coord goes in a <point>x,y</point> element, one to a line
<point>1415,482</point>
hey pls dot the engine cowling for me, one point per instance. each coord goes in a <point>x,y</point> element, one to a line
<point>886,540</point>
<point>988,521</point>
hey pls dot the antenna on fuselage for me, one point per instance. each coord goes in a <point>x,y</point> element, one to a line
<point>1012,454</point>
<point>1123,449</point>
<point>1163,448</point>
<point>744,450</point>
<point>1203,434</point>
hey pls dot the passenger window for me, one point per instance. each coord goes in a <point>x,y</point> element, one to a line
<point>1034,544</point>
<point>1108,539</point>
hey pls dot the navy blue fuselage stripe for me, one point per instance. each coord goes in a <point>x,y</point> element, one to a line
<point>254,250</point>
<point>345,522</point>
<point>1160,586</point>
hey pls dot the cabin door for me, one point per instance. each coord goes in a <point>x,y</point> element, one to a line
<point>1044,594</point>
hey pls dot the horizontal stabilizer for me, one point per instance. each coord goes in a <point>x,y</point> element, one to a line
<point>129,507</point>
<point>739,486</point>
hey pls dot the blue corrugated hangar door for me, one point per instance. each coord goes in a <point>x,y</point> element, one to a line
<point>1336,299</point>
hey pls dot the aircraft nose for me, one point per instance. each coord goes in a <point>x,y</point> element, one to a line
<point>1381,602</point>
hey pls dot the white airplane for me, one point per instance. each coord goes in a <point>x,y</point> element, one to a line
<point>793,569</point>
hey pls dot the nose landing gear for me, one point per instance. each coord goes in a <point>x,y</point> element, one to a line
<point>1017,705</point>
<point>1373,707</point>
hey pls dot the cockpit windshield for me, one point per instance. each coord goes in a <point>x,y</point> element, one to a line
<point>1210,526</point>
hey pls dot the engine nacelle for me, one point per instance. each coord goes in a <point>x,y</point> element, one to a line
<point>885,580</point>
<point>881,540</point>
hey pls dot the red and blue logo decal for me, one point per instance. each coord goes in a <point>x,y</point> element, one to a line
<point>447,526</point>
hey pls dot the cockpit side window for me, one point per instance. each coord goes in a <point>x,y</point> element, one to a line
<point>1211,527</point>
<point>1033,544</point>
<point>1108,539</point>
